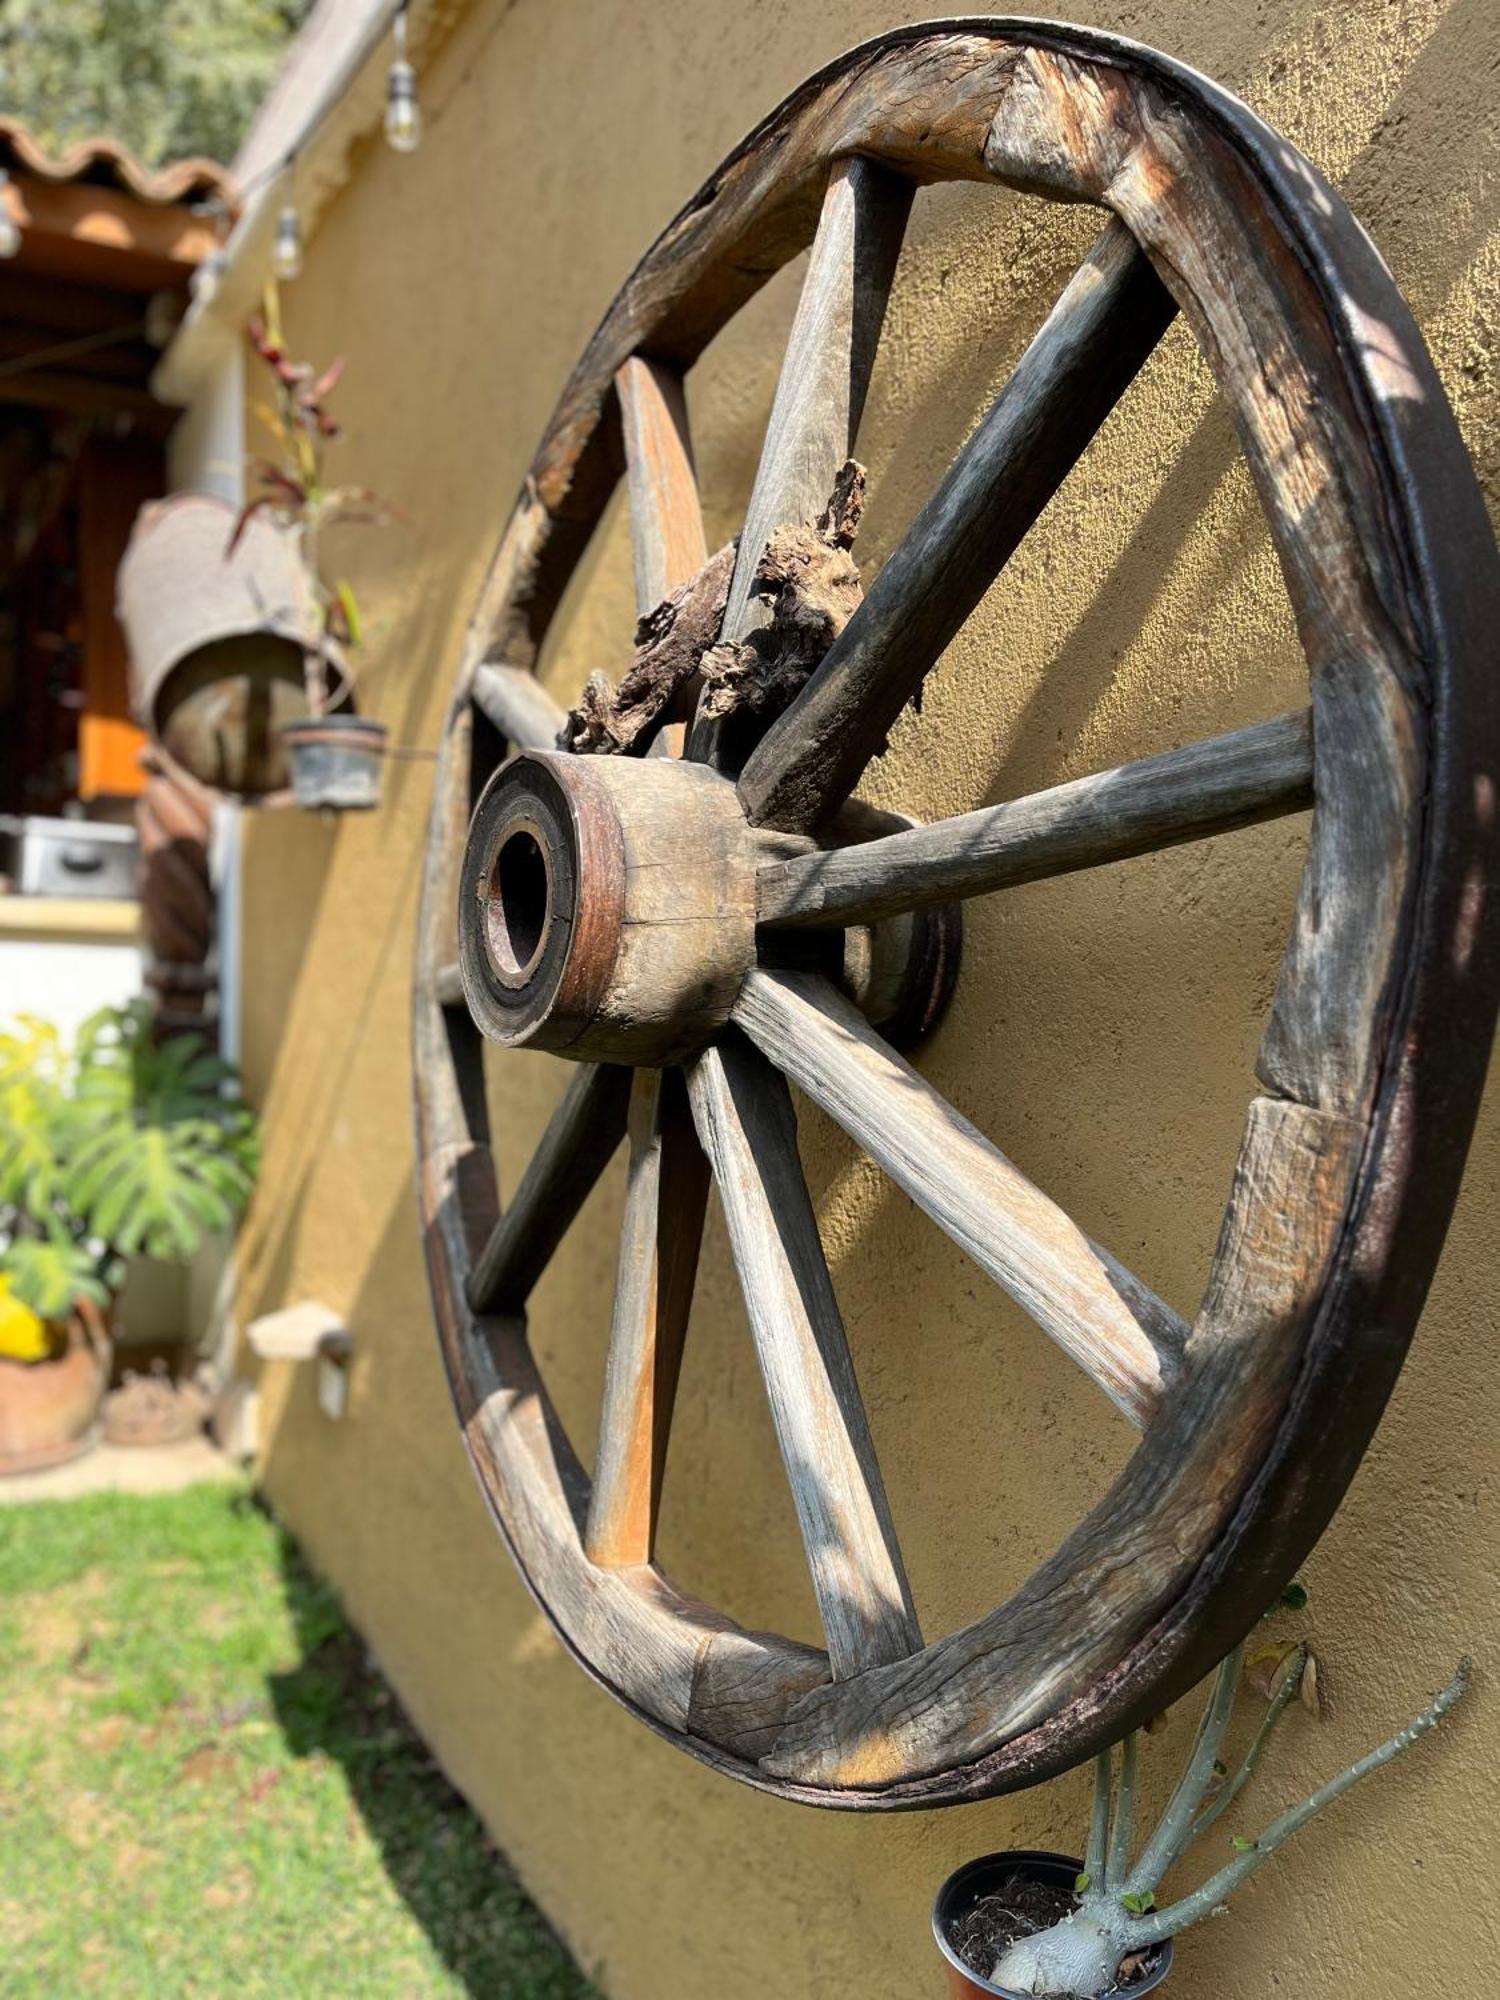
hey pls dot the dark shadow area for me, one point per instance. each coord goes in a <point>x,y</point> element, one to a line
<point>335,1704</point>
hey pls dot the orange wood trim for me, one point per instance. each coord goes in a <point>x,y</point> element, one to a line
<point>102,235</point>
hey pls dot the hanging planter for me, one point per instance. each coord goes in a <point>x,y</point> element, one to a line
<point>335,762</point>
<point>987,1903</point>
<point>240,647</point>
<point>220,626</point>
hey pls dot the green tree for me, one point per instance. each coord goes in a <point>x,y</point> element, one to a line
<point>167,77</point>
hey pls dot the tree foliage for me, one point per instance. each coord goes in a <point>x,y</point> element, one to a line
<point>167,77</point>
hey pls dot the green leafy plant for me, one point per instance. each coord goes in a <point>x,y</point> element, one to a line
<point>118,1146</point>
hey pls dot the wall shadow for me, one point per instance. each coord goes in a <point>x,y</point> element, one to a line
<point>335,1704</point>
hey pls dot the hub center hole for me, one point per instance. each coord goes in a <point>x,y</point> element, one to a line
<point>520,899</point>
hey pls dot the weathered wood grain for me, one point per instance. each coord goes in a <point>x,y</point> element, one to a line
<point>666,521</point>
<point>830,353</point>
<point>1231,781</point>
<point>1255,308</point>
<point>1120,1567</point>
<point>1124,1337</point>
<point>574,1150</point>
<point>665,1197</point>
<point>448,985</point>
<point>518,705</point>
<point>1101,330</point>
<point>748,1130</point>
<point>825,376</point>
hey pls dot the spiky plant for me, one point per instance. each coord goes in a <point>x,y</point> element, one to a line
<point>1116,1914</point>
<point>120,1146</point>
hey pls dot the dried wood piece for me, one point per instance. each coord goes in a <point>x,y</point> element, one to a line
<point>1101,330</point>
<point>808,585</point>
<point>1112,1325</point>
<point>575,1149</point>
<point>666,521</point>
<point>820,395</point>
<point>1231,781</point>
<point>825,375</point>
<point>748,1129</point>
<point>518,705</point>
<point>663,1226</point>
<point>671,640</point>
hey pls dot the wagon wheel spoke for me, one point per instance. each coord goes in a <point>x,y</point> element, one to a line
<point>825,375</point>
<point>574,1150</point>
<point>518,706</point>
<point>1096,338</point>
<point>745,1121</point>
<point>666,521</point>
<point>1116,1329</point>
<point>663,1228</point>
<point>1229,781</point>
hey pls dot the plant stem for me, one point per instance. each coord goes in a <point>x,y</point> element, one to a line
<point>1284,1696</point>
<point>1175,1828</point>
<point>1167,1923</point>
<point>1099,1826</point>
<point>1118,1864</point>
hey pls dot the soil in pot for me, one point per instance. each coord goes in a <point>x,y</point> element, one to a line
<point>1018,1908</point>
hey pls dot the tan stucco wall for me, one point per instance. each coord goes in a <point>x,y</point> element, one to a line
<point>1103,1032</point>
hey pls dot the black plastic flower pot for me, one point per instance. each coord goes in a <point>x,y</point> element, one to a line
<point>989,1875</point>
<point>335,762</point>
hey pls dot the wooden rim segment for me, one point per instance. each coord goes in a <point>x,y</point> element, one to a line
<point>1253,1418</point>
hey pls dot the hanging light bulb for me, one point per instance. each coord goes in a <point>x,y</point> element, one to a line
<point>10,229</point>
<point>286,258</point>
<point>403,115</point>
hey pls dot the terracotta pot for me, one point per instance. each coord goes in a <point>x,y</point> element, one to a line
<point>964,1888</point>
<point>49,1410</point>
<point>336,762</point>
<point>218,641</point>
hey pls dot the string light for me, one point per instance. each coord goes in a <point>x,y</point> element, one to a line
<point>403,131</point>
<point>403,115</point>
<point>286,258</point>
<point>10,231</point>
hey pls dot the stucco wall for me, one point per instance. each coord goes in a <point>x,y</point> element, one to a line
<point>1103,1032</point>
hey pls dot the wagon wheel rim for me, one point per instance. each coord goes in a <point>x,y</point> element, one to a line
<point>1256,1416</point>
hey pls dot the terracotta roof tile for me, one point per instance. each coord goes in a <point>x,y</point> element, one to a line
<point>104,162</point>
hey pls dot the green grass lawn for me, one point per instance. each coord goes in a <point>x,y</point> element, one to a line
<point>206,1789</point>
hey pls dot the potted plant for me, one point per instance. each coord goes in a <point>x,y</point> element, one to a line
<point>117,1146</point>
<point>334,754</point>
<point>1027,1924</point>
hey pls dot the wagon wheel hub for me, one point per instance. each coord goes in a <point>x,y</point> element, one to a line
<point>607,907</point>
<point>607,913</point>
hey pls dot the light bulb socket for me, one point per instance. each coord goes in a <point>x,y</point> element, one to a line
<point>403,117</point>
<point>286,258</point>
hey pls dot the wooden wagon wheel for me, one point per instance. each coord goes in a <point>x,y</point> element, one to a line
<point>660,918</point>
